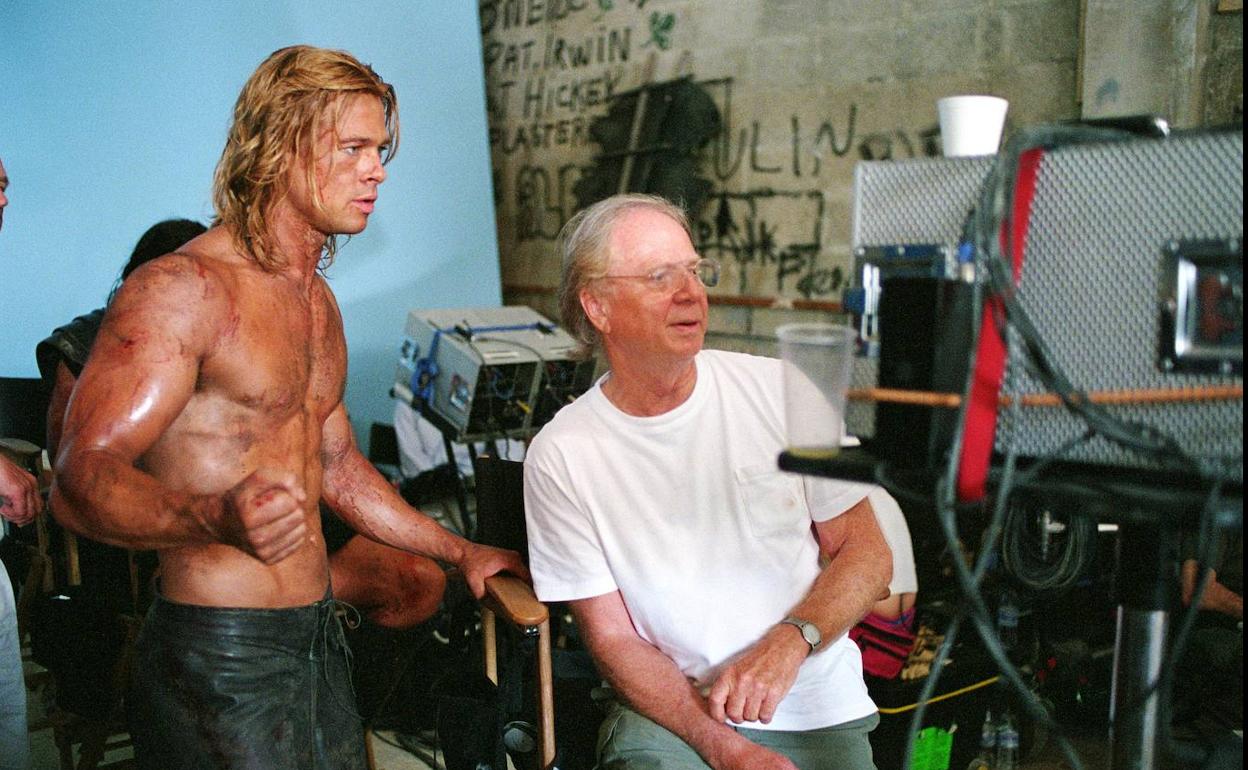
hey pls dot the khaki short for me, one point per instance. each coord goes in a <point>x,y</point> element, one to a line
<point>629,741</point>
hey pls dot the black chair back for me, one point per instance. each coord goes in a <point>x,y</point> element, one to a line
<point>23,409</point>
<point>383,444</point>
<point>500,504</point>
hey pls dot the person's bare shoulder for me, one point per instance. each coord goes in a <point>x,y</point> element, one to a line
<point>182,299</point>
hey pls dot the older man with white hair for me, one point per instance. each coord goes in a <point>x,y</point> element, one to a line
<point>713,590</point>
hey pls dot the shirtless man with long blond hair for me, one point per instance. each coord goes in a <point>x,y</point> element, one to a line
<point>209,420</point>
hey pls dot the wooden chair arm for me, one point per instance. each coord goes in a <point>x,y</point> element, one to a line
<point>19,451</point>
<point>29,457</point>
<point>513,600</point>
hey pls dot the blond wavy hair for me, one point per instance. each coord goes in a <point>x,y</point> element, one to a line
<point>278,117</point>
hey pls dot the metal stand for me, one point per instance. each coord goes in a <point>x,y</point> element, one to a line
<point>1151,510</point>
<point>1147,558</point>
<point>461,487</point>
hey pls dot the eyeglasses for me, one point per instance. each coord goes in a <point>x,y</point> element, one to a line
<point>668,278</point>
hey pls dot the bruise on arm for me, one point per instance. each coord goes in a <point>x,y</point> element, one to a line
<point>362,497</point>
<point>143,370</point>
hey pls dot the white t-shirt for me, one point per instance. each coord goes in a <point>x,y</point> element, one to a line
<point>688,516</point>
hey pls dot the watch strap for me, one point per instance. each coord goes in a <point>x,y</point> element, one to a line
<point>810,632</point>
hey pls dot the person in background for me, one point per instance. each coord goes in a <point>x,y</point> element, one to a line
<point>1209,688</point>
<point>713,590</point>
<point>19,504</point>
<point>62,354</point>
<point>209,423</point>
<point>4,195</point>
<point>886,635</point>
<point>903,588</point>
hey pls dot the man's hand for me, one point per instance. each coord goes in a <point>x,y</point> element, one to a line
<point>19,494</point>
<point>481,561</point>
<point>264,515</point>
<point>752,685</point>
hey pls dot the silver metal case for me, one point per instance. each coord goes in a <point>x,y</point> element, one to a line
<point>488,372</point>
<point>1107,221</point>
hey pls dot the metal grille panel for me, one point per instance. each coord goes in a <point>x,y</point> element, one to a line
<point>1101,219</point>
<point>1091,283</point>
<point>915,201</point>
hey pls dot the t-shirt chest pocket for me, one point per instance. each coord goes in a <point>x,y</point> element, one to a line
<point>772,499</point>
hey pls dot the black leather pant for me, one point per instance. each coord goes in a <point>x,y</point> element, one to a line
<point>244,689</point>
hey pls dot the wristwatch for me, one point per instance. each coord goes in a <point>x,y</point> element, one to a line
<point>810,632</point>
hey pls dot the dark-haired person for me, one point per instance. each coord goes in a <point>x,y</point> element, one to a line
<point>209,422</point>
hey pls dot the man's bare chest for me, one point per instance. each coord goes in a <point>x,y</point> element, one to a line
<point>277,364</point>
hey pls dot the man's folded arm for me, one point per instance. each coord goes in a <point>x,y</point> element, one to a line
<point>651,684</point>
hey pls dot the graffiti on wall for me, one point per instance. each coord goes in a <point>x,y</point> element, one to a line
<point>553,67</point>
<point>769,232</point>
<point>543,200</point>
<point>536,75</point>
<point>809,143</point>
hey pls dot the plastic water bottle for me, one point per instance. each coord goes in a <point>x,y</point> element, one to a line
<point>987,745</point>
<point>1007,620</point>
<point>1007,744</point>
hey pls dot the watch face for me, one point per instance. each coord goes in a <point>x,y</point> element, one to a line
<point>810,632</point>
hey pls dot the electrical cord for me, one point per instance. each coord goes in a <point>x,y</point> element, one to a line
<point>977,608</point>
<point>946,508</point>
<point>547,388</point>
<point>991,217</point>
<point>1205,548</point>
<point>983,221</point>
<point>945,501</point>
<point>982,228</point>
<point>1027,553</point>
<point>514,343</point>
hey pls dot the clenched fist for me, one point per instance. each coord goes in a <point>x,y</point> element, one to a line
<point>264,515</point>
<point>19,494</point>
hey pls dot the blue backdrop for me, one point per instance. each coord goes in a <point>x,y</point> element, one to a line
<point>113,115</point>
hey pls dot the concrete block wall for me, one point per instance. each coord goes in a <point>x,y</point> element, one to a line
<point>804,88</point>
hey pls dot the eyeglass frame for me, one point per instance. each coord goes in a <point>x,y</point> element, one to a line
<point>655,279</point>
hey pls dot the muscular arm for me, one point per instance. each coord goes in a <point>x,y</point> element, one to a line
<point>855,577</point>
<point>143,371</point>
<point>370,505</point>
<point>1217,597</point>
<point>650,683</point>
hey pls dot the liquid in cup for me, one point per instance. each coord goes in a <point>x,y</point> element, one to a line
<point>817,361</point>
